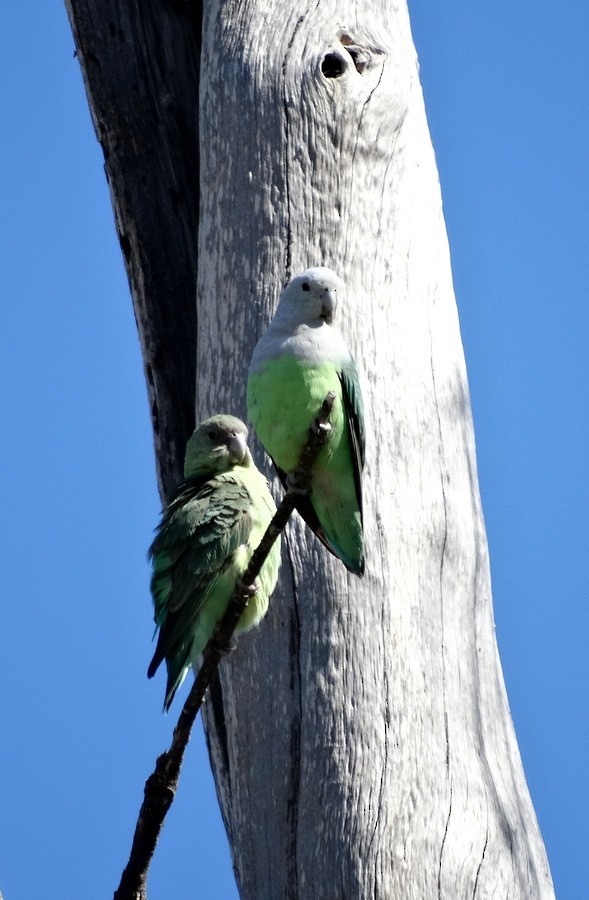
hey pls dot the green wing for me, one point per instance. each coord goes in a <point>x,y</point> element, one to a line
<point>200,530</point>
<point>354,412</point>
<point>354,408</point>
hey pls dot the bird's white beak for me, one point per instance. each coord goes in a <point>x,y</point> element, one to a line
<point>328,304</point>
<point>237,447</point>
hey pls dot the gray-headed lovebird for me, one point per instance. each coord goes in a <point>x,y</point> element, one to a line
<point>299,358</point>
<point>203,544</point>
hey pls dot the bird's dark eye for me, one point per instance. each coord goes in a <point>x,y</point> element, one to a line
<point>211,434</point>
<point>306,286</point>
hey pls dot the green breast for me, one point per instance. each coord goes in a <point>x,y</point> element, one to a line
<point>283,398</point>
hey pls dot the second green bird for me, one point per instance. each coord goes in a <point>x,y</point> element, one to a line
<point>204,543</point>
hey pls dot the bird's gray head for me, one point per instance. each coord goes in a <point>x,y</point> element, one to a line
<point>217,444</point>
<point>311,297</point>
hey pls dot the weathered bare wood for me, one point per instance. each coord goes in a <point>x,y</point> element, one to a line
<point>361,738</point>
<point>383,761</point>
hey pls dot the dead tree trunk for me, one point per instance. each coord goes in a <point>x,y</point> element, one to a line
<point>361,738</point>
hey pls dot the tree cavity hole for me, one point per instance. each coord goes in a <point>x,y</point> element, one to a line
<point>333,66</point>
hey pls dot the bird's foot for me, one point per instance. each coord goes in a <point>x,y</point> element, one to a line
<point>322,428</point>
<point>249,590</point>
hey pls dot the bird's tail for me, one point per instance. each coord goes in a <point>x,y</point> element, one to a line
<point>177,666</point>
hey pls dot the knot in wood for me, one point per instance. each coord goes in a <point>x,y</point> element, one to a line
<point>297,482</point>
<point>220,647</point>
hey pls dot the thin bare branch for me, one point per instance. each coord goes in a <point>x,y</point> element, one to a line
<point>162,784</point>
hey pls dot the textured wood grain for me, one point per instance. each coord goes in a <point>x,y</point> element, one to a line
<point>361,738</point>
<point>366,723</point>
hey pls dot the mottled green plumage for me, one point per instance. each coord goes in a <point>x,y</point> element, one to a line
<point>297,361</point>
<point>203,545</point>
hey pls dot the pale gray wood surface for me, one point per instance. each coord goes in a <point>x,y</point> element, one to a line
<point>361,738</point>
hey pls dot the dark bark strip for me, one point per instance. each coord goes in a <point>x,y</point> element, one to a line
<point>140,64</point>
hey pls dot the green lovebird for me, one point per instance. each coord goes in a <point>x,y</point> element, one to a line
<point>203,544</point>
<point>298,359</point>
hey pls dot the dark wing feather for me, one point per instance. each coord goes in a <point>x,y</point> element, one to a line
<point>354,410</point>
<point>201,528</point>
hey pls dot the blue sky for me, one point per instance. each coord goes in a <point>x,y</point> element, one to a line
<point>506,92</point>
